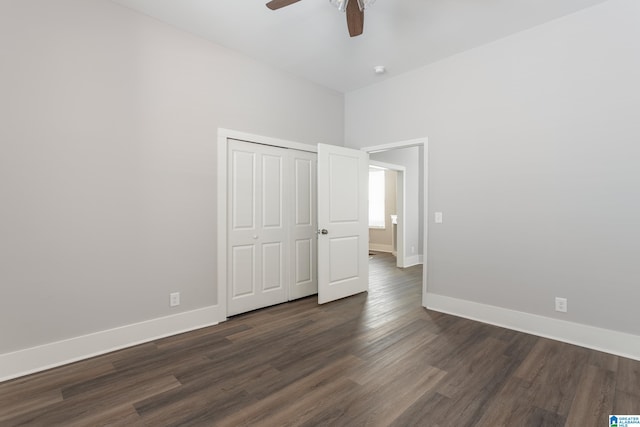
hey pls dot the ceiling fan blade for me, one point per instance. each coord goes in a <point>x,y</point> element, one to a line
<point>355,19</point>
<point>277,4</point>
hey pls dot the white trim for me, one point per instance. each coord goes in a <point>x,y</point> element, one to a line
<point>409,261</point>
<point>609,341</point>
<point>385,165</point>
<point>40,358</point>
<point>221,227</point>
<point>425,217</point>
<point>395,145</point>
<point>380,247</point>
<point>265,140</point>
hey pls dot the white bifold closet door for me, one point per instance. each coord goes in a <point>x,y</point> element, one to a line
<point>303,225</point>
<point>271,226</point>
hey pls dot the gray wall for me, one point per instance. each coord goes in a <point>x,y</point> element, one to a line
<point>533,160</point>
<point>107,162</point>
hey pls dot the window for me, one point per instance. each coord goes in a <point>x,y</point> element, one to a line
<point>376,198</point>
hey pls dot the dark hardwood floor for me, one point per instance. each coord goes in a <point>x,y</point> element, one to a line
<point>376,359</point>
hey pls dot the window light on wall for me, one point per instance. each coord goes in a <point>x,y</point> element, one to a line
<point>376,198</point>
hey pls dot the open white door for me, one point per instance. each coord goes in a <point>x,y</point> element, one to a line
<point>343,235</point>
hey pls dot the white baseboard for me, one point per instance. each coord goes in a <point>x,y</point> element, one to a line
<point>609,341</point>
<point>40,358</point>
<point>379,247</point>
<point>410,261</point>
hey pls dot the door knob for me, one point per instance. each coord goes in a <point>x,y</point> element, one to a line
<point>255,236</point>
<point>324,231</point>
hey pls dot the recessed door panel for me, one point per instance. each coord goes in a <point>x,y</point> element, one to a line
<point>341,252</point>
<point>343,182</point>
<point>243,196</point>
<point>272,274</point>
<point>243,262</point>
<point>272,202</point>
<point>304,191</point>
<point>304,262</point>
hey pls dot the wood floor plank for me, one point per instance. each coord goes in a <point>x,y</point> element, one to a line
<point>115,416</point>
<point>389,395</point>
<point>52,379</point>
<point>408,353</point>
<point>209,397</point>
<point>539,417</point>
<point>553,371</point>
<point>626,404</point>
<point>95,404</point>
<point>14,406</point>
<point>604,360</point>
<point>593,402</point>
<point>467,407</point>
<point>374,359</point>
<point>198,409</point>
<point>628,376</point>
<point>485,356</point>
<point>312,386</point>
<point>511,405</point>
<point>427,410</point>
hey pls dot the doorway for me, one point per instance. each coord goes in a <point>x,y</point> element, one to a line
<point>419,226</point>
<point>397,232</point>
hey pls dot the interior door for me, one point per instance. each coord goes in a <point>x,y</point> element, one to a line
<point>304,274</point>
<point>343,229</point>
<point>258,232</point>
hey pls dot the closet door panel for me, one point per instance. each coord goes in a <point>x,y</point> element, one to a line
<point>303,228</point>
<point>304,261</point>
<point>243,281</point>
<point>258,235</point>
<point>272,274</point>
<point>243,194</point>
<point>272,200</point>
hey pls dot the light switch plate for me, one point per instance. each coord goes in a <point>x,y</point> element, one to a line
<point>438,217</point>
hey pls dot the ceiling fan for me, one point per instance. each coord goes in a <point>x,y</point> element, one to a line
<point>354,8</point>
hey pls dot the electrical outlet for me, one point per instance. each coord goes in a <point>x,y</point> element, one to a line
<point>413,249</point>
<point>438,217</point>
<point>174,299</point>
<point>561,304</point>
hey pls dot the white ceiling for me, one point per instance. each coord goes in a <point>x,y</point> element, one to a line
<point>310,38</point>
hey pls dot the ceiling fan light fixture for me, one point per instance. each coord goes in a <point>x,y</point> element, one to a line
<point>365,4</point>
<point>341,5</point>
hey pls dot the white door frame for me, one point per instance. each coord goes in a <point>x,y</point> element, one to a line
<point>424,143</point>
<point>221,228</point>
<point>400,206</point>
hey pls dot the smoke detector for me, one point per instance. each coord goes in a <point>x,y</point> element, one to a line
<point>379,69</point>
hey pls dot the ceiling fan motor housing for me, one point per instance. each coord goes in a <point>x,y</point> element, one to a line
<point>341,5</point>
